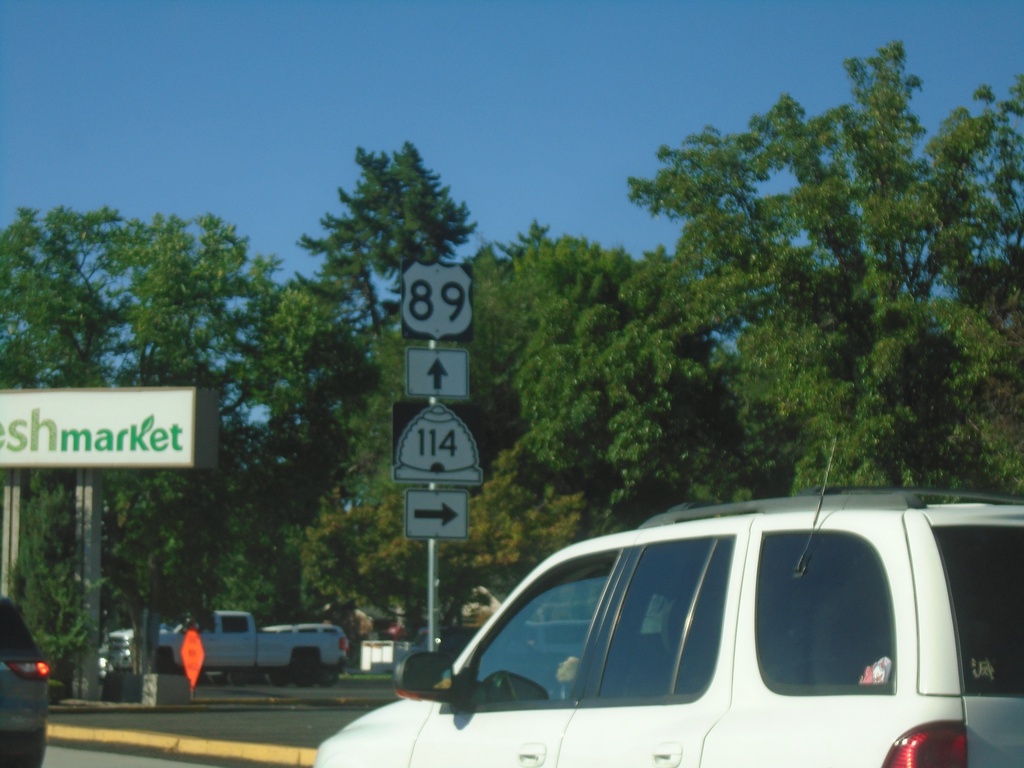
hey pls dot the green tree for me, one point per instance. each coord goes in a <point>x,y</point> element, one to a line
<point>182,303</point>
<point>60,299</point>
<point>45,578</point>
<point>398,210</point>
<point>979,187</point>
<point>361,553</point>
<point>827,254</point>
<point>615,382</point>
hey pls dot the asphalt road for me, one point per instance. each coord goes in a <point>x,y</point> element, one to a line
<point>257,715</point>
<point>62,757</point>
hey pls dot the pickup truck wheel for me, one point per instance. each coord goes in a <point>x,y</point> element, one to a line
<point>328,676</point>
<point>305,668</point>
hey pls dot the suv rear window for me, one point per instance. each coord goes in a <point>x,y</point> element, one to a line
<point>983,567</point>
<point>14,635</point>
<point>830,630</point>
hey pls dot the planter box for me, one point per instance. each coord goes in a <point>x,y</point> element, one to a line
<point>160,690</point>
<point>122,687</point>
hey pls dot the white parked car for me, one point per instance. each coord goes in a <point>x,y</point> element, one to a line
<point>116,653</point>
<point>858,629</point>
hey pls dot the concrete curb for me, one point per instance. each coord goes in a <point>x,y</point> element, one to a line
<point>185,745</point>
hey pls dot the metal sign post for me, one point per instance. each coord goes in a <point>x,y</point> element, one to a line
<point>433,581</point>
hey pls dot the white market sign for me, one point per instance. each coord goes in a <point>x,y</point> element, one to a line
<point>144,427</point>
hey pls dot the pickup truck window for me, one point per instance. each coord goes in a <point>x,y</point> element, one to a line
<point>234,624</point>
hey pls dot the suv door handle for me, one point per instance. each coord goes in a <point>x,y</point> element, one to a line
<point>668,755</point>
<point>532,755</point>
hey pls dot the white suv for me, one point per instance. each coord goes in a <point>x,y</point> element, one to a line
<point>848,630</point>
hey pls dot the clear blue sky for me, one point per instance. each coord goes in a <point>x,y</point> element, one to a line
<point>528,110</point>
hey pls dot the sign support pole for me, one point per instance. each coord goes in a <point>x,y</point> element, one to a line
<point>88,533</point>
<point>432,593</point>
<point>12,528</point>
<point>432,578</point>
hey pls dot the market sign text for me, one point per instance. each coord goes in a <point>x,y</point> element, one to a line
<point>145,427</point>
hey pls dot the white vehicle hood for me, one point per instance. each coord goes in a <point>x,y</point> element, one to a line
<point>383,738</point>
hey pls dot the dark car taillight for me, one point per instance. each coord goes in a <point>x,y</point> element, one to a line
<point>935,745</point>
<point>29,670</point>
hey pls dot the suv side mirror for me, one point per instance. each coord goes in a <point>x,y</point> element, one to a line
<point>425,677</point>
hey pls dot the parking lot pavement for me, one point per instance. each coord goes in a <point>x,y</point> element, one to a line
<point>247,725</point>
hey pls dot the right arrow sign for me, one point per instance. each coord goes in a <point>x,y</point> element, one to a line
<point>445,514</point>
<point>436,514</point>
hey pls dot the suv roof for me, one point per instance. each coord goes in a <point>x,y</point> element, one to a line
<point>830,499</point>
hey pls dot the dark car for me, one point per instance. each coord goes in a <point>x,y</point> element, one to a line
<point>23,693</point>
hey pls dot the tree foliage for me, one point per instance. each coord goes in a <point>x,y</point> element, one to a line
<point>398,210</point>
<point>615,380</point>
<point>50,596</point>
<point>362,553</point>
<point>832,254</point>
<point>837,276</point>
<point>92,300</point>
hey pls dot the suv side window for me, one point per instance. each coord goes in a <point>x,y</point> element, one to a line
<point>535,655</point>
<point>669,629</point>
<point>829,630</point>
<point>983,568</point>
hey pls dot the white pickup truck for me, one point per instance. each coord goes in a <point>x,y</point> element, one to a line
<point>304,654</point>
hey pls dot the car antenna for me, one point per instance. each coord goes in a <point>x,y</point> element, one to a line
<point>805,556</point>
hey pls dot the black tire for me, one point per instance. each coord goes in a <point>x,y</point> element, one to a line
<point>328,676</point>
<point>305,668</point>
<point>34,753</point>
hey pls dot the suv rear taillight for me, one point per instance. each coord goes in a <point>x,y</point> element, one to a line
<point>935,745</point>
<point>29,670</point>
<point>343,645</point>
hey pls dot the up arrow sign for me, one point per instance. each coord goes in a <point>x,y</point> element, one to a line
<point>442,373</point>
<point>436,514</point>
<point>438,372</point>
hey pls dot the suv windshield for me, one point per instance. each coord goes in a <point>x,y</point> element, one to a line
<point>983,566</point>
